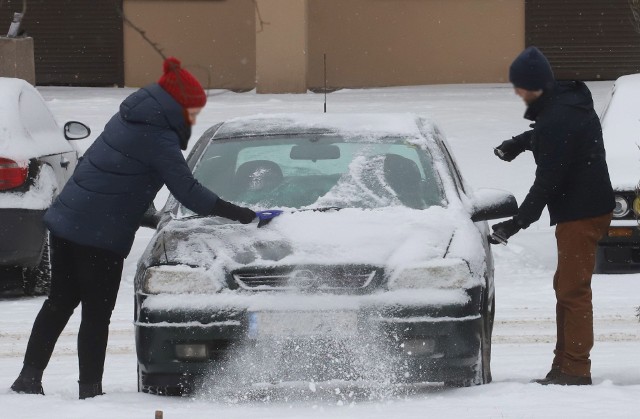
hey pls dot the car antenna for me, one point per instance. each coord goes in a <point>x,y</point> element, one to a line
<point>325,81</point>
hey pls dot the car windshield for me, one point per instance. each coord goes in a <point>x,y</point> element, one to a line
<point>319,171</point>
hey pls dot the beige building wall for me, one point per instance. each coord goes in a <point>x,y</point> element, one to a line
<point>368,43</point>
<point>214,39</point>
<point>281,46</point>
<point>413,42</point>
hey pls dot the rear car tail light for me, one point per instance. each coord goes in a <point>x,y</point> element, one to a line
<point>12,173</point>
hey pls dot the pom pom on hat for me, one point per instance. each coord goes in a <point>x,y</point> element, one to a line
<point>531,70</point>
<point>181,85</point>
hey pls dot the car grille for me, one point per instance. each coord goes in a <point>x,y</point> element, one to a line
<point>307,279</point>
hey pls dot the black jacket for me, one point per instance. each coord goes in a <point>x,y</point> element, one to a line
<point>572,178</point>
<point>119,175</point>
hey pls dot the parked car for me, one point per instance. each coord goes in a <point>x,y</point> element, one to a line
<point>380,241</point>
<point>619,251</point>
<point>36,159</point>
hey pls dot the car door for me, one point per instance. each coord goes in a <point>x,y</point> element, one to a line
<point>47,138</point>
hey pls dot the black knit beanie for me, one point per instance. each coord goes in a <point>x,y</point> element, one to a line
<point>531,71</point>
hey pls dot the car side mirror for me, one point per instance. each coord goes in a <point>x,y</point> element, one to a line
<point>74,130</point>
<point>150,218</point>
<point>491,204</point>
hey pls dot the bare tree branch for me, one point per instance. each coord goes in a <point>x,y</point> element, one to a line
<point>142,33</point>
<point>261,22</point>
<point>157,47</point>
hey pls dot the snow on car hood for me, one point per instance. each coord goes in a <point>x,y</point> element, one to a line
<point>393,238</point>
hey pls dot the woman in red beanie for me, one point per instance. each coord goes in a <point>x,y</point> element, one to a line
<point>93,221</point>
<point>184,88</point>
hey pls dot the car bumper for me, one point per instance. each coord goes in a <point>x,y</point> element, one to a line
<point>619,251</point>
<point>435,343</point>
<point>22,235</point>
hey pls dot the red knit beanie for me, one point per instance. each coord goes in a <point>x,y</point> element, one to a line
<point>181,85</point>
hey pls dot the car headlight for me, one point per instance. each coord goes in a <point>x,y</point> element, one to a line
<point>622,207</point>
<point>440,273</point>
<point>178,279</point>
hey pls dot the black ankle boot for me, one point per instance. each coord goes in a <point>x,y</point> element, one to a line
<point>88,390</point>
<point>29,381</point>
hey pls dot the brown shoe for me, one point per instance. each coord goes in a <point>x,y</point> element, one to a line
<point>562,379</point>
<point>553,373</point>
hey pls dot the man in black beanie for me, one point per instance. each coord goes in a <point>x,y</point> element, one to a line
<point>572,181</point>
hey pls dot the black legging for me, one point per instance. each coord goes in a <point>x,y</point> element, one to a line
<point>79,274</point>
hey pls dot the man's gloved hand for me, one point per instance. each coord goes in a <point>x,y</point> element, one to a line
<point>508,150</point>
<point>233,212</point>
<point>502,231</point>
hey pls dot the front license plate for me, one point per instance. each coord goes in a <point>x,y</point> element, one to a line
<point>263,324</point>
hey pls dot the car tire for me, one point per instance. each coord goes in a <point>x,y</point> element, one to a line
<point>37,280</point>
<point>486,342</point>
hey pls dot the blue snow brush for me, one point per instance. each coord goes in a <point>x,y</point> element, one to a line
<point>266,216</point>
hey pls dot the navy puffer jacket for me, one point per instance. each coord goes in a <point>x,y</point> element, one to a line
<point>119,175</point>
<point>572,178</point>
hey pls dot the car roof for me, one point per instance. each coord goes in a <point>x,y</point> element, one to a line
<point>11,89</point>
<point>370,124</point>
<point>27,126</point>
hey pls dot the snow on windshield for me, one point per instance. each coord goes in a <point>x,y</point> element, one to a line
<point>373,124</point>
<point>358,167</point>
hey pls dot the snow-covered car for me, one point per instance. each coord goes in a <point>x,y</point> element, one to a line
<point>36,159</point>
<point>619,251</point>
<point>380,255</point>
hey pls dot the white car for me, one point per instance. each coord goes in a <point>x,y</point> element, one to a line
<point>619,251</point>
<point>36,160</point>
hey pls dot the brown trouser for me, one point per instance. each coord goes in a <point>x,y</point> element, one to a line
<point>577,242</point>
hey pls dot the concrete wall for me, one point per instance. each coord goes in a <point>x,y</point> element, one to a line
<point>16,58</point>
<point>367,42</point>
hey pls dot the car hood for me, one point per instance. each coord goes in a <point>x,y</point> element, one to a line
<point>392,238</point>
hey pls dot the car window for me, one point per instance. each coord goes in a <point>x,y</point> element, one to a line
<point>320,171</point>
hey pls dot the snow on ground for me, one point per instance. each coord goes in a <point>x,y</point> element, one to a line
<point>475,118</point>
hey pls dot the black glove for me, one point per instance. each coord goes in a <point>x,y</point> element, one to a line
<point>233,212</point>
<point>502,231</point>
<point>508,150</point>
